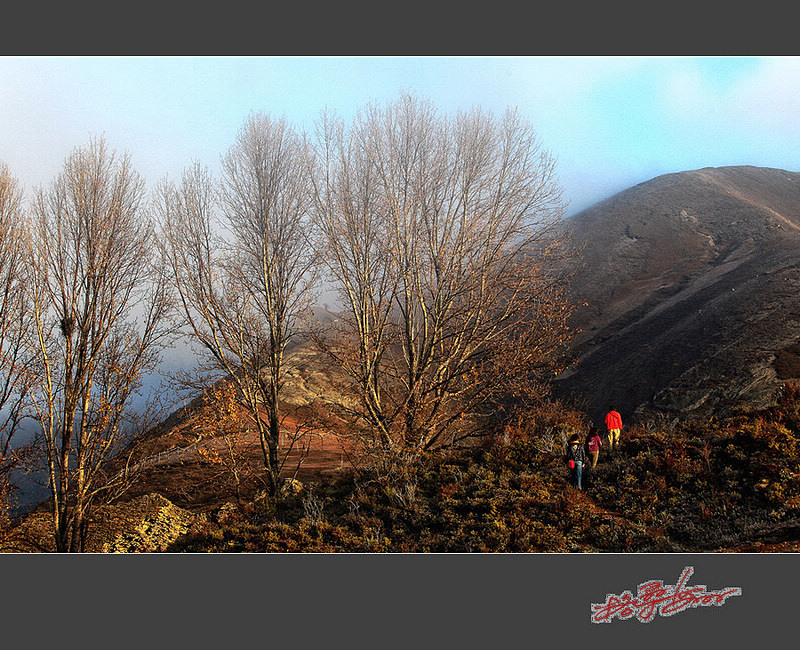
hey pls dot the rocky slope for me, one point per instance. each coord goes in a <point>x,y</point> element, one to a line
<point>148,523</point>
<point>690,293</point>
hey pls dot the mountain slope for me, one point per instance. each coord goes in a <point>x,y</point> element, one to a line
<point>690,293</point>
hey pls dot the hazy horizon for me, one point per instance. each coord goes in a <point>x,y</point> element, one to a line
<point>611,122</point>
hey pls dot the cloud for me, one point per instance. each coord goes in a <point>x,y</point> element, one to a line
<point>770,99</point>
<point>757,99</point>
<point>686,95</point>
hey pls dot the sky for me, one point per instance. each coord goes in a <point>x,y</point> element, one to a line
<point>610,122</point>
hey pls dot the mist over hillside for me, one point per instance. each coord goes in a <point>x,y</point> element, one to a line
<point>688,293</point>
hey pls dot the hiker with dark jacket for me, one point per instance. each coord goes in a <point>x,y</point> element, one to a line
<point>575,458</point>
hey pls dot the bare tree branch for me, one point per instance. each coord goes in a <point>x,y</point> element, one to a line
<point>243,296</point>
<point>15,324</point>
<point>98,305</point>
<point>442,235</point>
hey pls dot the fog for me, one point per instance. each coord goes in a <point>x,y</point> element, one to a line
<point>159,393</point>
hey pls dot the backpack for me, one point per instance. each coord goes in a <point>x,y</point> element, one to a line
<point>576,453</point>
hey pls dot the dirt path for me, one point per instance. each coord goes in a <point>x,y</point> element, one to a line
<point>309,456</point>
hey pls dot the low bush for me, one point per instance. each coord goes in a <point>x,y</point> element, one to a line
<point>693,487</point>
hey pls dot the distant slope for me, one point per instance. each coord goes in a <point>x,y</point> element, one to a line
<point>691,285</point>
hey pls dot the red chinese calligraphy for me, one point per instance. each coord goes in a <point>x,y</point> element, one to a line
<point>652,597</point>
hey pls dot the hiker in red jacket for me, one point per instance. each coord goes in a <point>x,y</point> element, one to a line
<point>613,424</point>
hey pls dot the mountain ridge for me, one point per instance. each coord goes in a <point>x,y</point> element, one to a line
<point>686,292</point>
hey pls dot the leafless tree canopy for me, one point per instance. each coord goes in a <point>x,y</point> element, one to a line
<point>97,302</point>
<point>14,318</point>
<point>243,294</point>
<point>441,234</point>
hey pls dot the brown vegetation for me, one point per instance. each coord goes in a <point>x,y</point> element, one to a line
<point>15,325</point>
<point>726,485</point>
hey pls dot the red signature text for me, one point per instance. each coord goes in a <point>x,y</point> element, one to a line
<point>654,598</point>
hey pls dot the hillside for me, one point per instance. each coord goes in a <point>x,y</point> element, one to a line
<point>689,306</point>
<point>731,485</point>
<point>688,291</point>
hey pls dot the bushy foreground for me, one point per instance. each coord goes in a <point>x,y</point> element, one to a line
<point>718,485</point>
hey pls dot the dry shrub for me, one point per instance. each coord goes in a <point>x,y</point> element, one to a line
<point>5,509</point>
<point>222,419</point>
<point>547,425</point>
<point>703,486</point>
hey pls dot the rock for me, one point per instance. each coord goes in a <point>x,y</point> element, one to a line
<point>291,487</point>
<point>227,511</point>
<point>262,500</point>
<point>160,523</point>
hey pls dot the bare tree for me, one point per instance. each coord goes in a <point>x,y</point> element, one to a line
<point>98,304</point>
<point>243,294</point>
<point>443,237</point>
<point>14,327</point>
<point>354,237</point>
